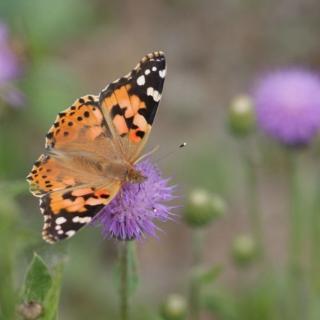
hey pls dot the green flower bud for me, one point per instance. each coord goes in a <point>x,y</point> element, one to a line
<point>244,250</point>
<point>203,208</point>
<point>174,308</point>
<point>241,119</point>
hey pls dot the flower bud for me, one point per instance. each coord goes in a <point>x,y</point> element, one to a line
<point>241,119</point>
<point>174,308</point>
<point>244,250</point>
<point>30,310</point>
<point>203,208</point>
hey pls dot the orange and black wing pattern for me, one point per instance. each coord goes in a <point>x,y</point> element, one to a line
<point>82,121</point>
<point>67,178</point>
<point>65,212</point>
<point>130,103</point>
<point>66,202</point>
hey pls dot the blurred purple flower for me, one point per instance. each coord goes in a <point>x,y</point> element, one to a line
<point>288,105</point>
<point>132,213</point>
<point>10,70</point>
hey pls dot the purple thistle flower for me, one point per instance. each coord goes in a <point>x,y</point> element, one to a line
<point>10,70</point>
<point>288,105</point>
<point>133,212</point>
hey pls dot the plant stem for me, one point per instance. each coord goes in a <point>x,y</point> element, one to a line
<point>252,198</point>
<point>195,288</point>
<point>124,285</point>
<point>295,240</point>
<point>296,303</point>
<point>315,238</point>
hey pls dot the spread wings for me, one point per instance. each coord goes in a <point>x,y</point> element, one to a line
<point>70,178</point>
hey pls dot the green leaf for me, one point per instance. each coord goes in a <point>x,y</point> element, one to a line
<point>43,287</point>
<point>38,281</point>
<point>51,301</point>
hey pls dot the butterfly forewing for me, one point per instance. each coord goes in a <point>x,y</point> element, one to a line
<point>130,103</point>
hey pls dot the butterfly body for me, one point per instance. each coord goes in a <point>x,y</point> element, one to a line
<point>92,149</point>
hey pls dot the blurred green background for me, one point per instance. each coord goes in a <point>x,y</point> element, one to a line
<point>215,50</point>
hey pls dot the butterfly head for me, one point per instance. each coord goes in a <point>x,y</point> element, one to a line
<point>135,176</point>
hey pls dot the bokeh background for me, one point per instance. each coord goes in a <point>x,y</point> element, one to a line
<point>215,52</point>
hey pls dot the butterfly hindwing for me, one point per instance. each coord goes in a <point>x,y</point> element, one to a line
<point>65,212</point>
<point>130,103</point>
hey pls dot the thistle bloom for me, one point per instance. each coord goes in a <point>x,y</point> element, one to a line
<point>10,70</point>
<point>133,212</point>
<point>288,105</point>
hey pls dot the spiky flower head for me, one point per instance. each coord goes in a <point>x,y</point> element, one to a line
<point>288,105</point>
<point>133,212</point>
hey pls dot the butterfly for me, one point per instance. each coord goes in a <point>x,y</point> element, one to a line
<point>92,147</point>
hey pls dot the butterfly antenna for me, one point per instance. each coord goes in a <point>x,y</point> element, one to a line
<point>148,154</point>
<point>170,153</point>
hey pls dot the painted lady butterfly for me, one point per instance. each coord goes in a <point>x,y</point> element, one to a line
<point>92,147</point>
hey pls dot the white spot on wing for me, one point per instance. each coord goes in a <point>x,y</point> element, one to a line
<point>162,73</point>
<point>61,220</point>
<point>83,220</point>
<point>154,68</point>
<point>150,91</point>
<point>154,94</point>
<point>147,72</point>
<point>70,233</point>
<point>141,80</point>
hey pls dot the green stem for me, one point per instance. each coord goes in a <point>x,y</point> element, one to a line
<point>315,238</point>
<point>253,198</point>
<point>296,304</point>
<point>124,283</point>
<point>195,288</point>
<point>295,232</point>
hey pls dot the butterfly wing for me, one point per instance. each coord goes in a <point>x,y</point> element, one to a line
<point>69,179</point>
<point>83,120</point>
<point>130,103</point>
<point>65,212</point>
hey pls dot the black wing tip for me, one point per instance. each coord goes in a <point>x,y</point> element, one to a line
<point>158,56</point>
